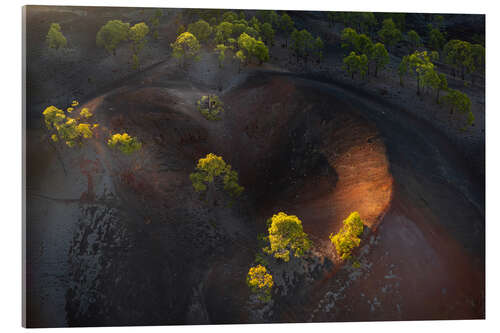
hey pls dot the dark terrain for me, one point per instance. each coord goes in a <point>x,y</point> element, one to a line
<point>117,240</point>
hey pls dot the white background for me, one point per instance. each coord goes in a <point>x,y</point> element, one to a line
<point>11,166</point>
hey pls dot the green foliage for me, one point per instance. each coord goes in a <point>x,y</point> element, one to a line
<point>304,45</point>
<point>268,16</point>
<point>251,47</point>
<point>348,37</point>
<point>355,63</point>
<point>458,54</point>
<point>201,30</point>
<point>380,56</point>
<point>213,167</point>
<point>221,50</point>
<point>478,55</point>
<point>267,32</point>
<point>286,24</point>
<point>154,21</point>
<point>348,236</point>
<point>137,34</point>
<point>125,143</point>
<point>71,131</point>
<point>286,237</point>
<point>459,101</point>
<point>210,106</point>
<point>186,46</point>
<point>403,68</point>
<point>363,21</point>
<point>229,16</point>
<point>420,65</point>
<point>436,39</point>
<point>223,31</point>
<point>260,282</point>
<point>111,34</point>
<point>389,34</point>
<point>414,39</point>
<point>55,38</point>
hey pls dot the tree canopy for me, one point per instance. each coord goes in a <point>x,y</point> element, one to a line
<point>389,34</point>
<point>348,236</point>
<point>211,168</point>
<point>210,106</point>
<point>260,282</point>
<point>55,37</point>
<point>137,35</point>
<point>286,237</point>
<point>186,46</point>
<point>111,34</point>
<point>201,30</point>
<point>356,64</point>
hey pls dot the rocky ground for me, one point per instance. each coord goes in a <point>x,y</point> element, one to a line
<point>116,240</point>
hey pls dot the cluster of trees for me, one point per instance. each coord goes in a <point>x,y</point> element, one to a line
<point>74,131</point>
<point>464,57</point>
<point>71,131</point>
<point>247,40</point>
<point>363,52</point>
<point>304,45</point>
<point>347,239</point>
<point>55,38</point>
<point>210,106</point>
<point>419,65</point>
<point>115,32</point>
<point>285,237</point>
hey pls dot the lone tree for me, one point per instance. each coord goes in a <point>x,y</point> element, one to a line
<point>55,38</point>
<point>260,282</point>
<point>201,30</point>
<point>414,39</point>
<point>111,34</point>
<point>220,49</point>
<point>210,106</point>
<point>354,64</point>
<point>125,143</point>
<point>286,237</point>
<point>137,35</point>
<point>185,47</point>
<point>380,57</point>
<point>348,236</point>
<point>389,34</point>
<point>459,101</point>
<point>436,39</point>
<point>286,26</point>
<point>212,172</point>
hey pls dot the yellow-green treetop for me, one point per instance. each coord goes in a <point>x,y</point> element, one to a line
<point>209,169</point>
<point>55,38</point>
<point>125,143</point>
<point>260,282</point>
<point>286,236</point>
<point>348,236</point>
<point>186,46</point>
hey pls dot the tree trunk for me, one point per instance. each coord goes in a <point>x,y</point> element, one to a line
<point>376,70</point>
<point>418,85</point>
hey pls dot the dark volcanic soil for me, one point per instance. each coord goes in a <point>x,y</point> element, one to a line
<point>116,240</point>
